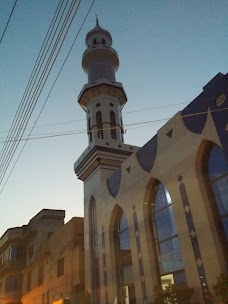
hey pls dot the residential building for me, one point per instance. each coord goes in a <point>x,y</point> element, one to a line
<point>45,260</point>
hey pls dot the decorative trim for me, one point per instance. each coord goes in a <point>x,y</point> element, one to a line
<point>147,154</point>
<point>194,241</point>
<point>113,183</point>
<point>139,253</point>
<point>206,102</point>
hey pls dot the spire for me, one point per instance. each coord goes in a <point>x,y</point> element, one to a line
<point>97,21</point>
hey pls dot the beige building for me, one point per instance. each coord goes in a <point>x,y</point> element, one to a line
<point>158,214</point>
<point>44,261</point>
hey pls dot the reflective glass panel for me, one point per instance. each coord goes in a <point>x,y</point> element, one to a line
<point>167,242</point>
<point>166,227</point>
<point>225,225</point>
<point>220,188</point>
<point>218,164</point>
<point>163,198</point>
<point>170,256</point>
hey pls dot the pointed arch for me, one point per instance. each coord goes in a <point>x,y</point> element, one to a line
<point>113,125</point>
<point>100,133</point>
<point>94,254</point>
<point>166,251</point>
<point>89,130</point>
<point>212,172</point>
<point>120,236</point>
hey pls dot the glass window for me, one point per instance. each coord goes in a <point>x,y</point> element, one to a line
<point>99,125</point>
<point>40,274</point>
<point>29,279</point>
<point>89,130</point>
<point>218,175</point>
<point>60,267</point>
<point>16,253</point>
<point>218,164</point>
<point>31,251</point>
<point>113,125</point>
<point>167,243</point>
<point>125,282</point>
<point>12,284</point>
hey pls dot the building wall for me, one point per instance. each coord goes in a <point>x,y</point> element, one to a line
<point>10,268</point>
<point>66,244</point>
<point>174,158</point>
<point>45,242</point>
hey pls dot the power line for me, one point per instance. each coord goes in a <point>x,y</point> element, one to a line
<point>67,133</point>
<point>124,113</point>
<point>3,34</point>
<point>48,94</point>
<point>39,87</point>
<point>20,109</point>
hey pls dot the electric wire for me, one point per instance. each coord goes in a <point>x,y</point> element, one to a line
<point>3,34</point>
<point>42,80</point>
<point>124,113</point>
<point>30,104</point>
<point>19,109</point>
<point>60,134</point>
<point>14,125</point>
<point>49,94</point>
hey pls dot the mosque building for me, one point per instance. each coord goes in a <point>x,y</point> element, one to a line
<point>158,214</point>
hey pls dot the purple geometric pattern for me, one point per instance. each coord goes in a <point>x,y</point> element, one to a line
<point>104,267</point>
<point>113,182</point>
<point>207,100</point>
<point>139,252</point>
<point>195,244</point>
<point>147,154</point>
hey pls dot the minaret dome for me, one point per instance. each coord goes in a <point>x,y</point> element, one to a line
<point>99,60</point>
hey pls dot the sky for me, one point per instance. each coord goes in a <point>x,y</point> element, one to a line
<point>168,50</point>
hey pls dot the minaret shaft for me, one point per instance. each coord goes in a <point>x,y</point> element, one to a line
<point>102,98</point>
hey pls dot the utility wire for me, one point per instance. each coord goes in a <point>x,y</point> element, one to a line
<point>112,128</point>
<point>124,113</point>
<point>28,107</point>
<point>3,34</point>
<point>41,82</point>
<point>19,110</point>
<point>48,95</point>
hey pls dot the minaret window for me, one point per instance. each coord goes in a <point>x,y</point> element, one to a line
<point>89,131</point>
<point>113,125</point>
<point>121,129</point>
<point>95,41</point>
<point>100,133</point>
<point>103,41</point>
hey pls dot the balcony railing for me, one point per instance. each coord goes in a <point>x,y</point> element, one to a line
<point>8,265</point>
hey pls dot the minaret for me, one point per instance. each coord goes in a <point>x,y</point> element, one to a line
<point>103,99</point>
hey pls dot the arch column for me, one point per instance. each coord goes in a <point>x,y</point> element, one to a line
<point>204,255</point>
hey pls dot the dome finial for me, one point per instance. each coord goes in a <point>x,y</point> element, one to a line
<point>97,21</point>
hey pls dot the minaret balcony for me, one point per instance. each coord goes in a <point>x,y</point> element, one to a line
<point>100,88</point>
<point>99,50</point>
